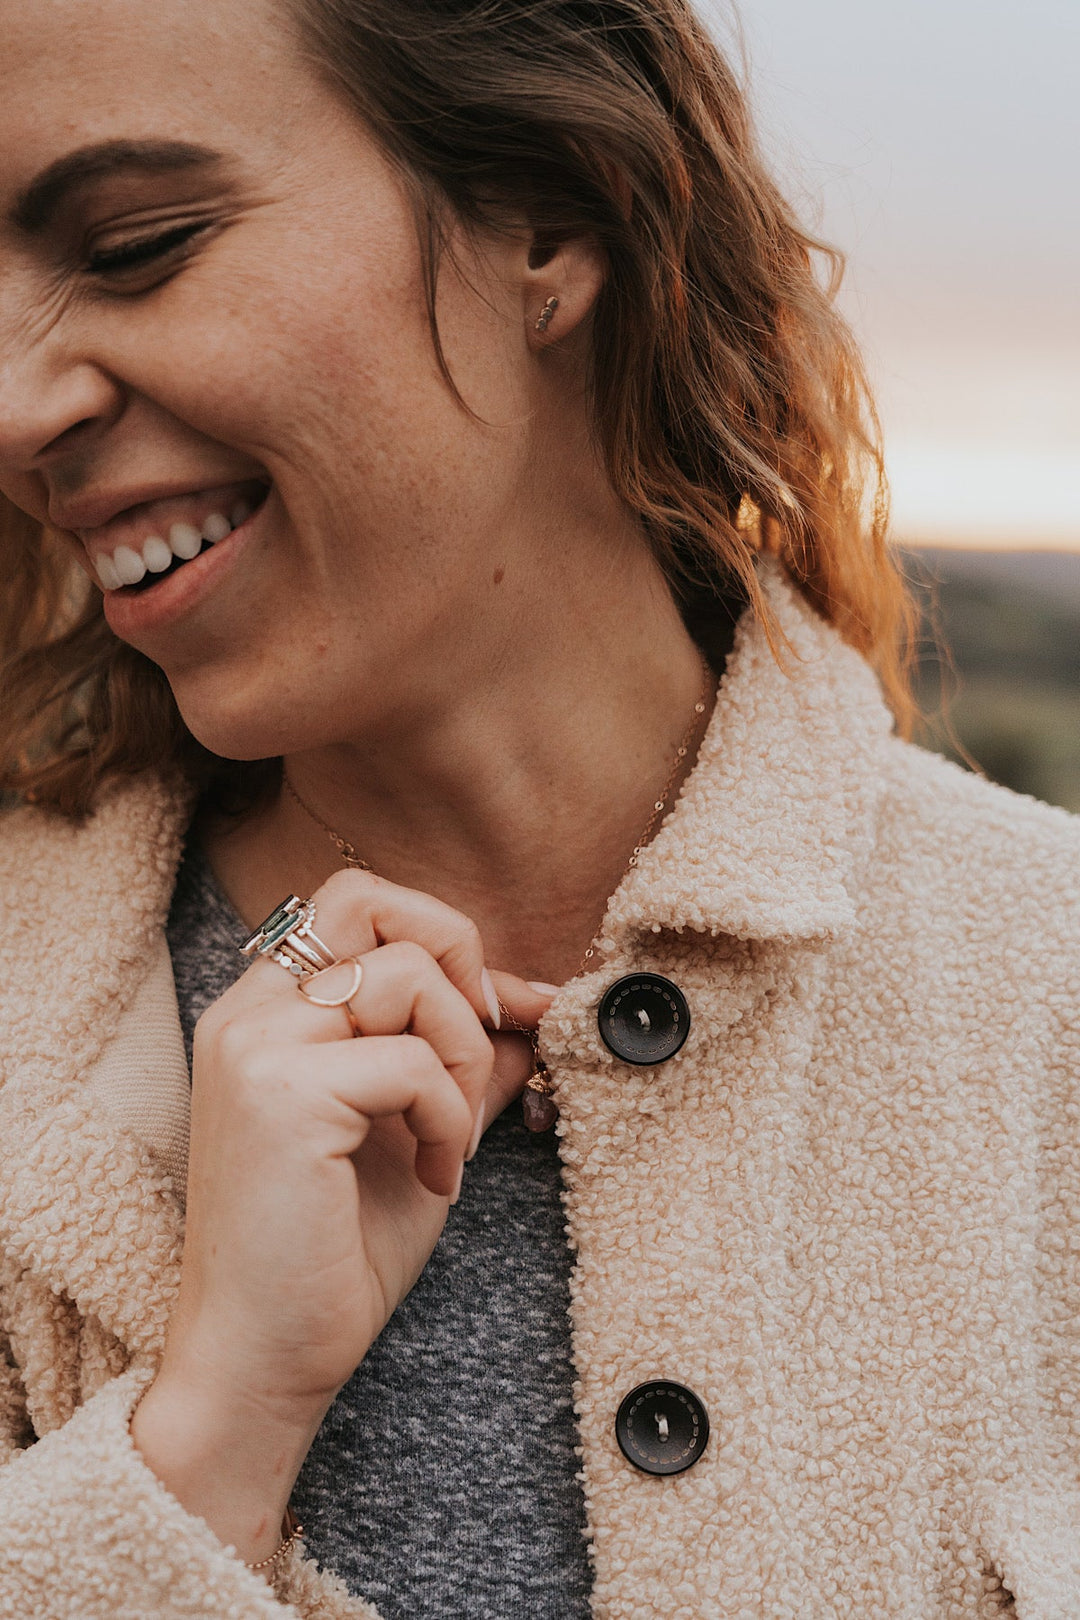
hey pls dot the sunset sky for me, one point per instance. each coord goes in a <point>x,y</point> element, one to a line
<point>937,143</point>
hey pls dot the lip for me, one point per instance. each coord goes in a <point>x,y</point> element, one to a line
<point>82,517</point>
<point>131,613</point>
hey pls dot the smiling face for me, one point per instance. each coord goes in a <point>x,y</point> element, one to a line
<point>216,370</point>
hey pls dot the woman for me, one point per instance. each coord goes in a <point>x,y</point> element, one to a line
<point>429,456</point>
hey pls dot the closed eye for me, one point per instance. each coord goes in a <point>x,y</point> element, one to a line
<point>141,251</point>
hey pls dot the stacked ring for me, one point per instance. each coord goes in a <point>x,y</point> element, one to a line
<point>288,938</point>
<point>341,1001</point>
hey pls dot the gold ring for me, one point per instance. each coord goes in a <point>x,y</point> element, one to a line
<point>304,987</point>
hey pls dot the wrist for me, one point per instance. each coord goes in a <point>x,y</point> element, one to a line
<point>229,1460</point>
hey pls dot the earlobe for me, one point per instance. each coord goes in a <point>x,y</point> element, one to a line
<point>546,313</point>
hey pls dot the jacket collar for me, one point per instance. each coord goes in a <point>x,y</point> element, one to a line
<point>776,820</point>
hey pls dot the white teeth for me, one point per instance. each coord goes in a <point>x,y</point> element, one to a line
<point>107,574</point>
<point>185,540</point>
<point>129,565</point>
<point>216,527</point>
<point>156,554</point>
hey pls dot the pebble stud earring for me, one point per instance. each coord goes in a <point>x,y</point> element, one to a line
<point>546,313</point>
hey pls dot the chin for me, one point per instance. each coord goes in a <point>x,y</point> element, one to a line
<point>237,725</point>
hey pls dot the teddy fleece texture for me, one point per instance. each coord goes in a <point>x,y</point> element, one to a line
<point>846,1213</point>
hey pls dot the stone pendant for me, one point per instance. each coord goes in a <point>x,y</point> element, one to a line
<point>537,1104</point>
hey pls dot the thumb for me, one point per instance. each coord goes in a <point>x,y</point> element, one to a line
<point>514,1061</point>
<point>524,1003</point>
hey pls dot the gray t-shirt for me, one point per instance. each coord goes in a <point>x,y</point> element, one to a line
<point>443,1482</point>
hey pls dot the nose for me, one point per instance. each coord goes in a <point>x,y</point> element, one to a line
<point>53,406</point>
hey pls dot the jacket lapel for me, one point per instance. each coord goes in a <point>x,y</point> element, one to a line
<point>140,1079</point>
<point>90,1061</point>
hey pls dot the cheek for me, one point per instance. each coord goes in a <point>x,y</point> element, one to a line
<point>329,378</point>
<point>369,428</point>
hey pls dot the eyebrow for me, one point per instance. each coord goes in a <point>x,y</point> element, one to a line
<point>36,206</point>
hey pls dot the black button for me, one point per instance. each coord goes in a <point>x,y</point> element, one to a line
<point>662,1428</point>
<point>644,1018</point>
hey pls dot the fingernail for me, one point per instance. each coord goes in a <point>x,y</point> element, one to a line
<point>487,985</point>
<point>541,988</point>
<point>478,1131</point>
<point>457,1189</point>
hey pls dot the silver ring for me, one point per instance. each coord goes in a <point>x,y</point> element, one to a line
<point>287,937</point>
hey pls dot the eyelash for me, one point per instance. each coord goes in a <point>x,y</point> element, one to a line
<point>143,251</point>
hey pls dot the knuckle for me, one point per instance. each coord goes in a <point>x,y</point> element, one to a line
<point>242,1056</point>
<point>410,957</point>
<point>246,1080</point>
<point>350,887</point>
<point>257,1073</point>
<point>419,1059</point>
<point>229,1039</point>
<point>469,936</point>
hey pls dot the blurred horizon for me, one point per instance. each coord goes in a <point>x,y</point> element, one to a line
<point>935,145</point>
<point>1029,544</point>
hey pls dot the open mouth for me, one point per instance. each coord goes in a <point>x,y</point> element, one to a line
<point>150,557</point>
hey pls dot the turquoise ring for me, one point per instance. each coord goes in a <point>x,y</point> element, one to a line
<point>288,938</point>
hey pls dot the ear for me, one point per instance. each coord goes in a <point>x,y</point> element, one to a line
<point>572,271</point>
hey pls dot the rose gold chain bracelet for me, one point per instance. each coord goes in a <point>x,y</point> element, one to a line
<point>296,1530</point>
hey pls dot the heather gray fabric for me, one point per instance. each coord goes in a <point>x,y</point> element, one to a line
<point>442,1484</point>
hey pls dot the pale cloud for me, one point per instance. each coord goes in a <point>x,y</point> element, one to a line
<point>936,143</point>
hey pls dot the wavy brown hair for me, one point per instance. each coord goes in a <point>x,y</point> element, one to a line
<point>727,393</point>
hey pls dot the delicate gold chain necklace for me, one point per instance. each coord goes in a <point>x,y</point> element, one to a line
<point>537,1102</point>
<point>349,855</point>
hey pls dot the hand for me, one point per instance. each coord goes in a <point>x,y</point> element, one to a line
<point>321,1166</point>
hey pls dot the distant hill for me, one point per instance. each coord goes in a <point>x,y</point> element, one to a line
<point>1010,624</point>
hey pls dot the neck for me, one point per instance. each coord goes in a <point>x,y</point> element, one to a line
<point>517,797</point>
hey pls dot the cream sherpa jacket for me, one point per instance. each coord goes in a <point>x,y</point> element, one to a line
<point>847,1213</point>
